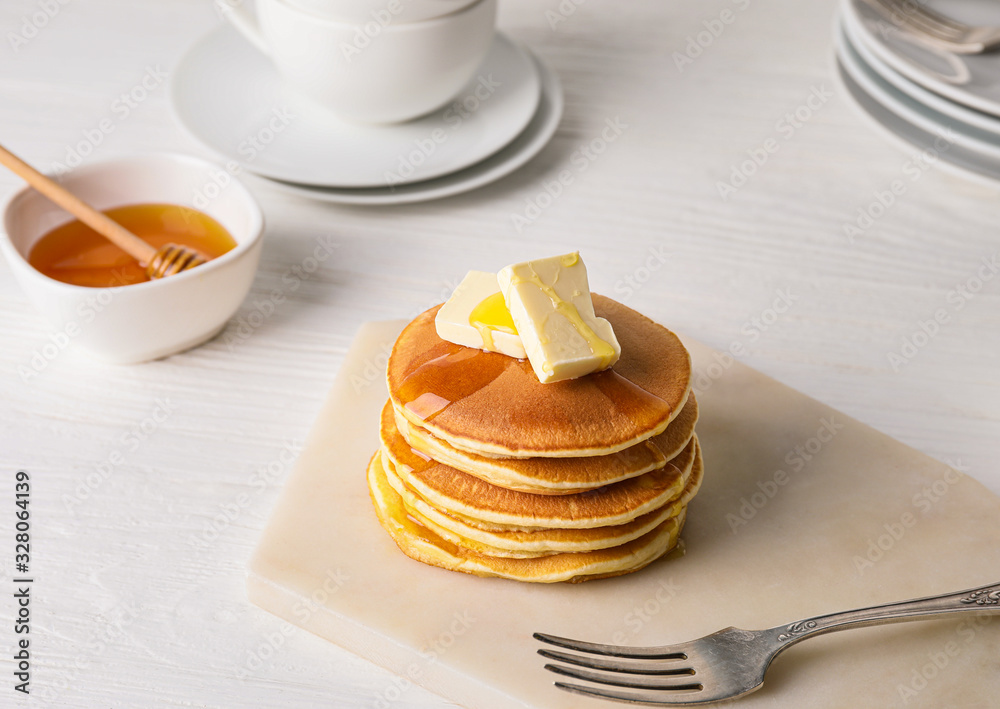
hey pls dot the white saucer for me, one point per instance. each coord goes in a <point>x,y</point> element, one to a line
<point>970,80</point>
<point>858,41</point>
<point>528,144</point>
<point>916,114</point>
<point>229,97</point>
<point>953,158</point>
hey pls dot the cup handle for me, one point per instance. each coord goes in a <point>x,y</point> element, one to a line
<point>244,21</point>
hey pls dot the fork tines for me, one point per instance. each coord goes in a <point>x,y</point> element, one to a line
<point>643,653</point>
<point>637,667</point>
<point>632,668</point>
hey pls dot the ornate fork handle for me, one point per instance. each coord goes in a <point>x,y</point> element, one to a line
<point>985,598</point>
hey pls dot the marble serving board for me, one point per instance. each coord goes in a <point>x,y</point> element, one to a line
<point>803,511</point>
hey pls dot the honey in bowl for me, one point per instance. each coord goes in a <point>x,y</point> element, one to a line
<point>76,254</point>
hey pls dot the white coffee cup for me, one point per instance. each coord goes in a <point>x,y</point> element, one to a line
<point>380,71</point>
<point>362,11</point>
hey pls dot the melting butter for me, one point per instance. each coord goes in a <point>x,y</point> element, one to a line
<point>489,316</point>
<point>550,304</point>
<point>476,316</point>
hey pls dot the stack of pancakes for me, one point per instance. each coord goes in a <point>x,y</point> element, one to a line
<point>485,470</point>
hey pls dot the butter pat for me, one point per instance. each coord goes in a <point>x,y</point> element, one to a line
<point>476,316</point>
<point>549,300</point>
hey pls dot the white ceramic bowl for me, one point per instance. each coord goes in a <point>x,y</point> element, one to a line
<point>148,320</point>
<point>371,72</point>
<point>394,11</point>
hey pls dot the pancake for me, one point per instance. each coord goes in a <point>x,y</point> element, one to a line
<point>540,541</point>
<point>493,405</point>
<point>469,497</point>
<point>419,543</point>
<point>558,476</point>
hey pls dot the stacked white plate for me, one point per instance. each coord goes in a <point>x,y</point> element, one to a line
<point>229,97</point>
<point>946,105</point>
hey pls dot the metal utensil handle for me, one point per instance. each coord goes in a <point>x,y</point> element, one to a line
<point>984,598</point>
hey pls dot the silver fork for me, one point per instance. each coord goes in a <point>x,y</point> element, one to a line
<point>731,662</point>
<point>937,29</point>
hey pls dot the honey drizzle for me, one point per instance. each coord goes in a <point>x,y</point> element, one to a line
<point>399,514</point>
<point>400,454</point>
<point>447,373</point>
<point>443,379</point>
<point>76,254</point>
<point>630,399</point>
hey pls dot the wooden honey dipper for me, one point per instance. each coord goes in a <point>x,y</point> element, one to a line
<point>166,261</point>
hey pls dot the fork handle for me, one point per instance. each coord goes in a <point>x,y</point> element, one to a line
<point>984,598</point>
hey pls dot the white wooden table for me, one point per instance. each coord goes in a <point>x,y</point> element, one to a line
<point>152,483</point>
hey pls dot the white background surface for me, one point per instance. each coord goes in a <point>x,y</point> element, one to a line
<point>139,572</point>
